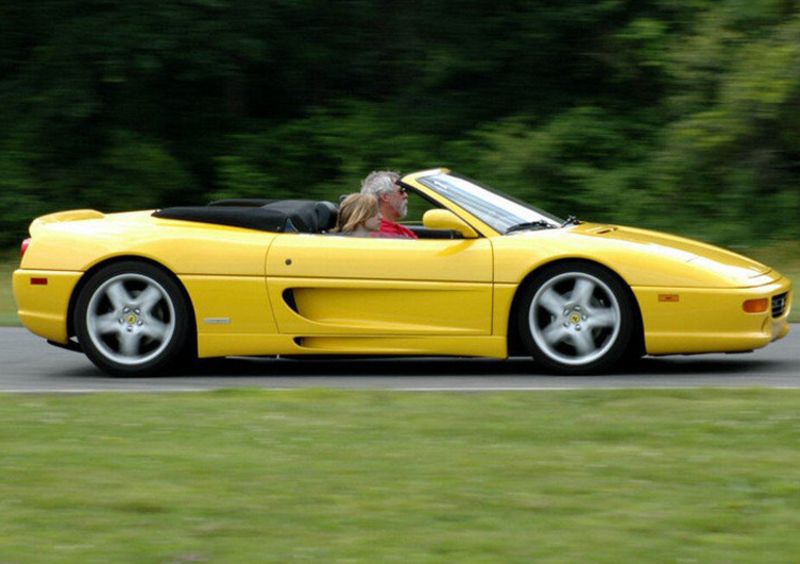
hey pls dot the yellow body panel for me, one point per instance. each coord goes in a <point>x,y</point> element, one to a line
<point>61,217</point>
<point>503,298</point>
<point>379,286</point>
<point>43,308</point>
<point>333,257</point>
<point>287,345</point>
<point>363,307</point>
<point>261,293</point>
<point>182,247</point>
<point>640,257</point>
<point>232,310</point>
<point>704,320</point>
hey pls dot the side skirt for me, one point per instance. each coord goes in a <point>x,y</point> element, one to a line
<point>214,345</point>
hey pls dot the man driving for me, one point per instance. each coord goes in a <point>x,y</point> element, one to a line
<point>392,201</point>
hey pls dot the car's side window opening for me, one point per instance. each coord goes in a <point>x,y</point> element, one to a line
<point>417,206</point>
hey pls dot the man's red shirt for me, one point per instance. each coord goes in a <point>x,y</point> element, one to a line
<point>396,229</point>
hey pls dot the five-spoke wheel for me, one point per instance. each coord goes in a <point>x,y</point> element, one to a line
<point>576,318</point>
<point>131,319</point>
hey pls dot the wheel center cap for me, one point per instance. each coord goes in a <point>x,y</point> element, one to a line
<point>131,319</point>
<point>575,318</point>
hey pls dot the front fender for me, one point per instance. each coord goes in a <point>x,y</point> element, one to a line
<point>640,257</point>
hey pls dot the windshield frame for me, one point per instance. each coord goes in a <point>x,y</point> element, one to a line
<point>496,209</point>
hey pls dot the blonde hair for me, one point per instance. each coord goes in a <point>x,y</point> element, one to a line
<point>355,210</point>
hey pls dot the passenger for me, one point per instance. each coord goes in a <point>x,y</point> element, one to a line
<point>359,214</point>
<point>392,200</point>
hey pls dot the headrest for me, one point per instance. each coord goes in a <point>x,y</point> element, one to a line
<point>327,213</point>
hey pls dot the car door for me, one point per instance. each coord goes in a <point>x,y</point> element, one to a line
<point>339,285</point>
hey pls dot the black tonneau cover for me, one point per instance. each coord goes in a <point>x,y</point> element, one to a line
<point>282,216</point>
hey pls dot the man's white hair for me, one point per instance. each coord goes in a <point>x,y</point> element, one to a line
<point>379,182</point>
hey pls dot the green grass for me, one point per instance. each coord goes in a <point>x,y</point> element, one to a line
<point>783,256</point>
<point>9,261</point>
<point>707,476</point>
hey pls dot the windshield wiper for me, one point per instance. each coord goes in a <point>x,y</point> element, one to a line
<point>538,224</point>
<point>571,220</point>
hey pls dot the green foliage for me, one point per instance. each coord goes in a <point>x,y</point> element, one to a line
<point>20,202</point>
<point>9,262</point>
<point>732,157</point>
<point>614,111</point>
<point>581,163</point>
<point>324,154</point>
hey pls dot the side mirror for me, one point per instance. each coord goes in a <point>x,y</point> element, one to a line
<point>445,219</point>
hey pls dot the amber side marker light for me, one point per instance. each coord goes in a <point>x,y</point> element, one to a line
<point>756,306</point>
<point>669,298</point>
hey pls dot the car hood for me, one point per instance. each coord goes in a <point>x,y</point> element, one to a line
<point>735,268</point>
<point>641,257</point>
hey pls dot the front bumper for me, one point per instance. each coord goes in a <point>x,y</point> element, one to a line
<point>710,320</point>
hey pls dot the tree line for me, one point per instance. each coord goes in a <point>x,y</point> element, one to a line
<point>673,114</point>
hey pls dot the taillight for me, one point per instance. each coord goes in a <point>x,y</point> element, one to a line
<point>24,247</point>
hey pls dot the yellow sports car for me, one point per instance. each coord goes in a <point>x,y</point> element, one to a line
<point>488,276</point>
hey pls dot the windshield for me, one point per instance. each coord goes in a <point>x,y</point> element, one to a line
<point>497,210</point>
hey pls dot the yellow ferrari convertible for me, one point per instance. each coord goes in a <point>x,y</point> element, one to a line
<point>488,276</point>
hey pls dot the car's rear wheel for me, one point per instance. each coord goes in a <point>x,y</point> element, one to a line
<point>131,319</point>
<point>576,318</point>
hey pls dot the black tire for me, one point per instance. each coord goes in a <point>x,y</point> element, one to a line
<point>131,319</point>
<point>576,318</point>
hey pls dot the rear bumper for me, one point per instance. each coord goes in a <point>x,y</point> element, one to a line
<point>43,301</point>
<point>710,320</point>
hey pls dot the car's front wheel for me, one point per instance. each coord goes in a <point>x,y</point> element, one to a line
<point>576,318</point>
<point>131,319</point>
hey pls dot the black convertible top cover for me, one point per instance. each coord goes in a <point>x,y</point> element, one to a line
<point>281,216</point>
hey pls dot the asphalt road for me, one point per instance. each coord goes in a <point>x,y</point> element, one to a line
<point>29,364</point>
